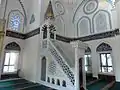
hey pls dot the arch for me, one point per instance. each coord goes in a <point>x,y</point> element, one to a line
<point>11,58</point>
<point>84,26</point>
<point>58,82</point>
<point>75,13</point>
<point>53,81</point>
<point>88,50</point>
<point>101,21</point>
<point>25,18</point>
<point>90,6</point>
<point>15,21</point>
<point>48,79</point>
<point>43,68</point>
<point>60,23</point>
<point>64,83</point>
<point>12,46</point>
<point>104,47</point>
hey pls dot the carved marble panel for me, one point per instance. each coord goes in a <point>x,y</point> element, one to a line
<point>52,68</point>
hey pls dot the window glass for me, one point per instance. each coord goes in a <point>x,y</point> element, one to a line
<point>109,60</point>
<point>16,21</point>
<point>86,68</point>
<point>106,62</point>
<point>103,58</point>
<point>7,56</point>
<point>13,58</point>
<point>88,62</point>
<point>110,69</point>
<point>5,69</point>
<point>104,69</point>
<point>10,62</point>
<point>85,59</point>
<point>11,68</point>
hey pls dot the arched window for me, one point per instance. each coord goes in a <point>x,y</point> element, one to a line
<point>88,62</point>
<point>16,21</point>
<point>11,57</point>
<point>104,51</point>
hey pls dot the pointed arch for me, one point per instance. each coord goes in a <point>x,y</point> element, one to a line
<point>101,21</point>
<point>15,21</point>
<point>84,26</point>
<point>88,50</point>
<point>12,46</point>
<point>104,47</point>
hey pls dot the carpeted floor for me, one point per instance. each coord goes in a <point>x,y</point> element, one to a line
<point>20,84</point>
<point>97,86</point>
<point>116,86</point>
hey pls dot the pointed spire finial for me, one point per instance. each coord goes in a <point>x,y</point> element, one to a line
<point>49,13</point>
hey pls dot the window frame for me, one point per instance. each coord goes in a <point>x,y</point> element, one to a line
<point>89,65</point>
<point>8,51</point>
<point>107,66</point>
<point>22,21</point>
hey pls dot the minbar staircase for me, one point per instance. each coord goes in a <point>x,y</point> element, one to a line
<point>61,61</point>
<point>66,55</point>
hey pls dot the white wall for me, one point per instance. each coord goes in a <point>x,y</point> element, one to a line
<point>33,8</point>
<point>30,57</point>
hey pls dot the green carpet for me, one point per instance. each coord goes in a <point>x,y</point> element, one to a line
<point>39,88</point>
<point>12,82</point>
<point>21,84</point>
<point>97,86</point>
<point>116,86</point>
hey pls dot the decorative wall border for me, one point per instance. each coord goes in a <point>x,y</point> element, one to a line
<point>95,7</point>
<point>25,17</point>
<point>109,16</point>
<point>59,3</point>
<point>18,35</point>
<point>80,20</point>
<point>100,36</point>
<point>108,34</point>
<point>83,1</point>
<point>13,34</point>
<point>32,33</point>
